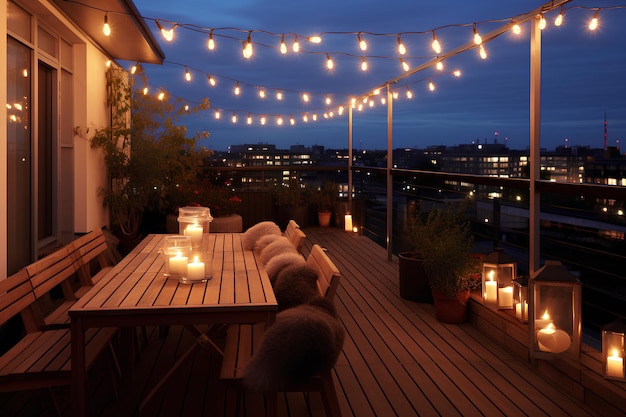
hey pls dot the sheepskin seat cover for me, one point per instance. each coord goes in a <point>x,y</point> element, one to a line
<point>280,245</point>
<point>254,233</point>
<point>303,342</point>
<point>282,261</point>
<point>264,241</point>
<point>295,285</point>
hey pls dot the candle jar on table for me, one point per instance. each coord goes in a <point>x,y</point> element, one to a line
<point>199,268</point>
<point>176,252</point>
<point>613,352</point>
<point>194,221</point>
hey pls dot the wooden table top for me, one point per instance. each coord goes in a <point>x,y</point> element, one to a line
<point>135,291</point>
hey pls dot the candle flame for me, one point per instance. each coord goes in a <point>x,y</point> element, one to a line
<point>546,316</point>
<point>195,258</point>
<point>179,254</point>
<point>550,326</point>
<point>491,275</point>
<point>615,353</point>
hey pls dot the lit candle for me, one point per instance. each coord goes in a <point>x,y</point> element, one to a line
<point>178,264</point>
<point>553,340</point>
<point>348,223</point>
<point>505,297</point>
<point>195,232</point>
<point>518,311</point>
<point>355,229</point>
<point>195,270</point>
<point>491,290</point>
<point>615,365</point>
<point>544,321</point>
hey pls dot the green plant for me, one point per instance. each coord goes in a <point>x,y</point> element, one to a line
<point>325,196</point>
<point>146,153</point>
<point>442,238</point>
<point>292,194</point>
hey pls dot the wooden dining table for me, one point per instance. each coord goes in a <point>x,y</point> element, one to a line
<point>136,292</point>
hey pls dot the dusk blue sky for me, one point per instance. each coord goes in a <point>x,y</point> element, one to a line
<point>582,71</point>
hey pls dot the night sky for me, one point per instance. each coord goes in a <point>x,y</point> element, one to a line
<point>582,71</point>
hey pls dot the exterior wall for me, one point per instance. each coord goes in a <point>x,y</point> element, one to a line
<point>3,141</point>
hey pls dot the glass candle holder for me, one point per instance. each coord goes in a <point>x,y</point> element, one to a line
<point>176,252</point>
<point>199,268</point>
<point>194,222</point>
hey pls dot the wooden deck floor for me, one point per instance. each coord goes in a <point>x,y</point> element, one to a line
<point>398,360</point>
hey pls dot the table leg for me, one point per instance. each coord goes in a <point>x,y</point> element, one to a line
<point>79,373</point>
<point>127,359</point>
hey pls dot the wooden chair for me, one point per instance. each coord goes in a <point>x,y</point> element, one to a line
<point>242,340</point>
<point>92,259</point>
<point>42,358</point>
<point>295,235</point>
<point>291,227</point>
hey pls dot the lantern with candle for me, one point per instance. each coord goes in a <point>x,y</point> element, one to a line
<point>520,298</point>
<point>613,341</point>
<point>176,251</point>
<point>499,270</point>
<point>194,221</point>
<point>555,320</point>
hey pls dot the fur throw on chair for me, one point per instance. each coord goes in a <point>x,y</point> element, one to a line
<point>303,342</point>
<point>282,261</point>
<point>295,285</point>
<point>280,245</point>
<point>264,241</point>
<point>254,233</point>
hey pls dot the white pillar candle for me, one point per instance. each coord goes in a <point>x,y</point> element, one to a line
<point>195,232</point>
<point>178,264</point>
<point>543,322</point>
<point>505,297</point>
<point>615,366</point>
<point>348,223</point>
<point>553,340</point>
<point>491,291</point>
<point>195,270</point>
<point>518,311</point>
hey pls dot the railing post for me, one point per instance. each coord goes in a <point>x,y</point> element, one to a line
<point>389,178</point>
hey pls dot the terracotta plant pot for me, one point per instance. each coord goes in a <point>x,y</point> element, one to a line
<point>323,218</point>
<point>451,309</point>
<point>412,278</point>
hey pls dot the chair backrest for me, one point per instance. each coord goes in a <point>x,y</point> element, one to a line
<point>16,296</point>
<point>88,249</point>
<point>292,226</point>
<point>297,239</point>
<point>327,273</point>
<point>54,269</point>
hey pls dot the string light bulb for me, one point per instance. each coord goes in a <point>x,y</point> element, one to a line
<point>405,66</point>
<point>362,43</point>
<point>305,97</point>
<point>593,24</point>
<point>329,62</point>
<point>106,29</point>
<point>261,93</point>
<point>305,118</point>
<point>315,39</point>
<point>296,45</point>
<point>363,64</point>
<point>218,115</point>
<point>237,89</point>
<point>439,66</point>
<point>168,35</point>
<point>279,121</point>
<point>477,38</point>
<point>542,22</point>
<point>314,117</point>
<point>249,119</point>
<point>457,73</point>
<point>145,91</point>
<point>133,69</point>
<point>161,96</point>
<point>283,47</point>
<point>401,47</point>
<point>247,50</point>
<point>482,52</point>
<point>263,120</point>
<point>292,121</point>
<point>558,21</point>
<point>431,86</point>
<point>234,118</point>
<point>279,95</point>
<point>409,93</point>
<point>187,74</point>
<point>328,100</point>
<point>211,42</point>
<point>212,81</point>
<point>436,45</point>
<point>517,29</point>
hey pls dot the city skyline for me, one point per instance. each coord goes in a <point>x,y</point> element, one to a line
<point>580,73</point>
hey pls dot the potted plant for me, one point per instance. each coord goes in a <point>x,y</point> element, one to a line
<point>413,281</point>
<point>451,269</point>
<point>291,202</point>
<point>325,197</point>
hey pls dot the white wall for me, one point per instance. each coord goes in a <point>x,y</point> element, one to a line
<point>3,141</point>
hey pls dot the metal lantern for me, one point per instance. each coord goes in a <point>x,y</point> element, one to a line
<point>520,298</point>
<point>613,353</point>
<point>499,270</point>
<point>555,322</point>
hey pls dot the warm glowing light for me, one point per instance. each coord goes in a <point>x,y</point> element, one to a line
<point>405,66</point>
<point>328,100</point>
<point>401,47</point>
<point>353,102</point>
<point>234,118</point>
<point>383,100</point>
<point>558,21</point>
<point>145,91</point>
<point>211,81</point>
<point>315,39</point>
<point>314,117</point>
<point>186,107</point>
<point>161,95</point>
<point>296,45</point>
<point>263,120</point>
<point>593,24</point>
<point>237,89</point>
<point>483,52</point>
<point>431,86</point>
<point>211,42</point>
<point>376,91</point>
<point>340,110</point>
<point>249,119</point>
<point>262,93</point>
<point>106,29</point>
<point>292,121</point>
<point>457,73</point>
<point>477,38</point>
<point>108,63</point>
<point>305,97</point>
<point>305,118</point>
<point>279,95</point>
<point>187,75</point>
<point>395,95</point>
<point>279,121</point>
<point>133,69</point>
<point>517,29</point>
<point>371,103</point>
<point>168,35</point>
<point>363,64</point>
<point>439,66</point>
<point>542,22</point>
<point>247,47</point>
<point>25,73</point>
<point>329,62</point>
<point>283,47</point>
<point>409,93</point>
<point>362,43</point>
<point>436,45</point>
<point>218,115</point>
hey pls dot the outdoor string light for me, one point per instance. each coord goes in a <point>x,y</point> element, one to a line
<point>106,29</point>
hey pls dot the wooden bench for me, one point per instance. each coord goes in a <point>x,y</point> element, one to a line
<point>42,358</point>
<point>92,259</point>
<point>242,340</point>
